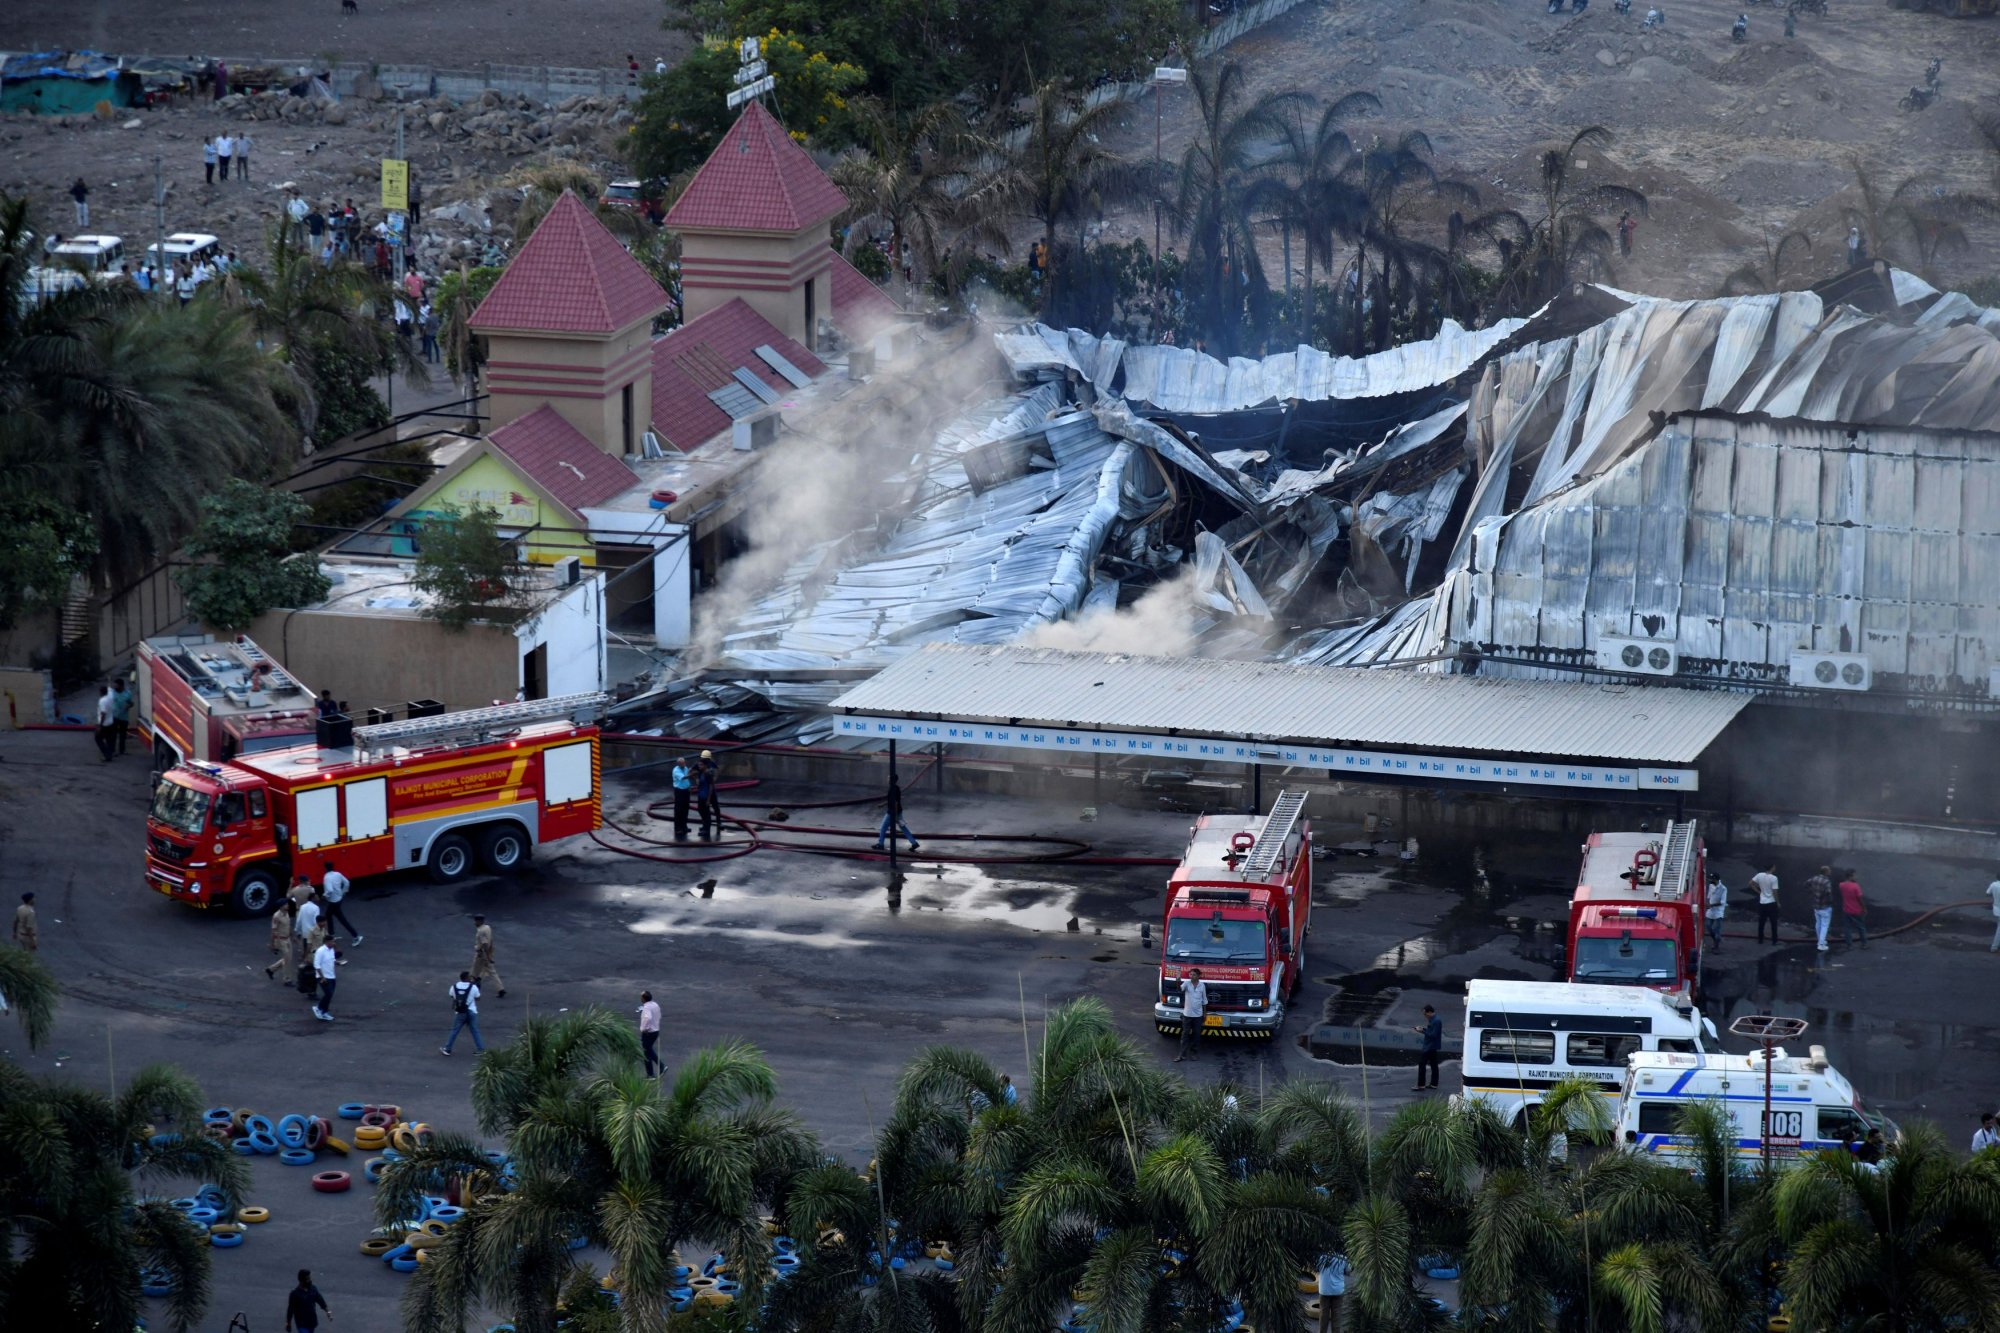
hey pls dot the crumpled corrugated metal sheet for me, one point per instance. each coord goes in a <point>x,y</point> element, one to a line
<point>1180,379</point>
<point>1861,516</point>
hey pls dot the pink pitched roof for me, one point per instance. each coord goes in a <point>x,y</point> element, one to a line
<point>757,179</point>
<point>700,356</point>
<point>560,460</point>
<point>571,276</point>
<point>860,308</point>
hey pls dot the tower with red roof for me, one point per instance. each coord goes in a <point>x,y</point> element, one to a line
<point>753,224</point>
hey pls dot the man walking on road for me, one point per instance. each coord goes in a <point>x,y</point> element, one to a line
<point>649,1031</point>
<point>79,194</point>
<point>1718,908</point>
<point>25,933</point>
<point>1853,911</point>
<point>892,819</point>
<point>1766,884</point>
<point>324,961</point>
<point>1194,1007</point>
<point>282,938</point>
<point>1433,1047</point>
<point>106,719</point>
<point>312,933</point>
<point>464,1013</point>
<point>304,1305</point>
<point>333,888</point>
<point>482,956</point>
<point>1820,886</point>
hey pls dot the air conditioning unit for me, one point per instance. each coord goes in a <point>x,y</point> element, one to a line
<point>568,571</point>
<point>1831,671</point>
<point>1646,657</point>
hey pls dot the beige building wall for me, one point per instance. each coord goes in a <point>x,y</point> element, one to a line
<point>751,267</point>
<point>583,378</point>
<point>384,661</point>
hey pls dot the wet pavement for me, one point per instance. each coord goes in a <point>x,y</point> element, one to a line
<point>841,970</point>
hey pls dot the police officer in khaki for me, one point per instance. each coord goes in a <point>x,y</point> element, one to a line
<point>25,933</point>
<point>482,956</point>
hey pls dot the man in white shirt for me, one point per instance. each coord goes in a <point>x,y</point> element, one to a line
<point>1718,908</point>
<point>107,728</point>
<point>225,148</point>
<point>464,1013</point>
<point>324,959</point>
<point>308,924</point>
<point>1194,1006</point>
<point>333,888</point>
<point>1765,882</point>
<point>244,143</point>
<point>1993,892</point>
<point>649,1031</point>
<point>297,209</point>
<point>1986,1136</point>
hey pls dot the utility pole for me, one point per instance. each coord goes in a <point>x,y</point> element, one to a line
<point>159,228</point>
<point>1162,75</point>
<point>402,232</point>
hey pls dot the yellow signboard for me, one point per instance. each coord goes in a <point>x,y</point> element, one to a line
<point>395,185</point>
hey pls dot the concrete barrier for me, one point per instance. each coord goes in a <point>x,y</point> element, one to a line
<point>29,695</point>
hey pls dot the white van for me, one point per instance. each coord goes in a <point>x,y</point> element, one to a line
<point>75,261</point>
<point>192,246</point>
<point>1811,1103</point>
<point>1521,1037</point>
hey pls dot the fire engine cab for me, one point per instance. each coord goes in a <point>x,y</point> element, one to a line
<point>1635,919</point>
<point>445,792</point>
<point>1237,908</point>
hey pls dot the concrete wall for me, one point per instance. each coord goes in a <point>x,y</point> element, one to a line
<point>542,83</point>
<point>771,273</point>
<point>572,628</point>
<point>28,696</point>
<point>673,590</point>
<point>582,378</point>
<point>386,660</point>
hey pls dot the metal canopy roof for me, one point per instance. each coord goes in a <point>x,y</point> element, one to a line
<point>1295,704</point>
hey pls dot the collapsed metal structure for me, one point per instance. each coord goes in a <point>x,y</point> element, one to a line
<point>1731,481</point>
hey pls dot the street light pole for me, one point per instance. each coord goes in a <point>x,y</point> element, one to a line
<point>1162,75</point>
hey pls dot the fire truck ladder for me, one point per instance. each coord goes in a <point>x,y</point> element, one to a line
<point>1269,848</point>
<point>474,725</point>
<point>1676,861</point>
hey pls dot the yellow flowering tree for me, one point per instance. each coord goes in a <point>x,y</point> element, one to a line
<point>682,114</point>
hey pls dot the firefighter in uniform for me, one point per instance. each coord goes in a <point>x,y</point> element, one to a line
<point>25,933</point>
<point>482,957</point>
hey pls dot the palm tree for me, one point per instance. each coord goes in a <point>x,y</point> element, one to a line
<point>1237,136</point>
<point>1769,275</point>
<point>458,295</point>
<point>31,990</point>
<point>1056,172</point>
<point>1397,185</point>
<point>1568,242</point>
<point>1909,1245</point>
<point>74,1236</point>
<point>909,177</point>
<point>1308,188</point>
<point>302,309</point>
<point>599,1151</point>
<point>128,412</point>
<point>1933,215</point>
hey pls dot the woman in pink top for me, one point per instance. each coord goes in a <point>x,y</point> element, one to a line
<point>1853,911</point>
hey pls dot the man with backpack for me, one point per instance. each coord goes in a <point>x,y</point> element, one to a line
<point>464,1014</point>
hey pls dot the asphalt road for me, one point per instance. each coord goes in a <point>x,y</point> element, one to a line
<point>839,979</point>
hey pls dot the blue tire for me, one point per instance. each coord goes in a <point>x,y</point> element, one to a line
<point>292,1131</point>
<point>433,1202</point>
<point>212,1195</point>
<point>372,1169</point>
<point>263,1142</point>
<point>243,1148</point>
<point>218,1115</point>
<point>296,1157</point>
<point>447,1213</point>
<point>578,1242</point>
<point>163,1140</point>
<point>204,1217</point>
<point>257,1124</point>
<point>155,1288</point>
<point>352,1110</point>
<point>191,1201</point>
<point>400,1252</point>
<point>403,1265</point>
<point>225,1240</point>
<point>943,1265</point>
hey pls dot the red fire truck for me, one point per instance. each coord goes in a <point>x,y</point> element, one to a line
<point>1635,919</point>
<point>1238,907</point>
<point>443,792</point>
<point>206,698</point>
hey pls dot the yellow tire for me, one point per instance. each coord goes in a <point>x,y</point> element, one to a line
<point>701,1284</point>
<point>369,1138</point>
<point>337,1145</point>
<point>404,1138</point>
<point>423,1256</point>
<point>422,1240</point>
<point>1312,1308</point>
<point>434,1227</point>
<point>253,1214</point>
<point>711,1297</point>
<point>226,1228</point>
<point>1309,1285</point>
<point>377,1246</point>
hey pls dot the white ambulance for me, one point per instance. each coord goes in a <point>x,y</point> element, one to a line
<point>1811,1103</point>
<point>1522,1037</point>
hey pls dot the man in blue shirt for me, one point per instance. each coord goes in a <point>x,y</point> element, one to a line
<point>304,1305</point>
<point>1332,1290</point>
<point>1427,1057</point>
<point>121,713</point>
<point>683,794</point>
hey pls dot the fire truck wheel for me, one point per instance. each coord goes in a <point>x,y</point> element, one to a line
<point>256,890</point>
<point>450,859</point>
<point>503,848</point>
